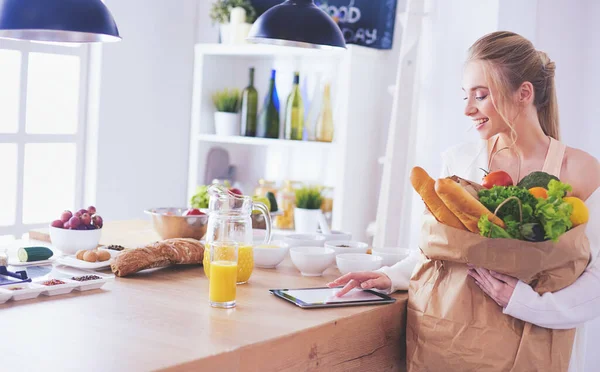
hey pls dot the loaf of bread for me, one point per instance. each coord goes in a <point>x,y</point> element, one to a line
<point>425,187</point>
<point>464,205</point>
<point>159,254</point>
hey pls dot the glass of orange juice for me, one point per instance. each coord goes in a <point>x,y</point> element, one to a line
<point>223,274</point>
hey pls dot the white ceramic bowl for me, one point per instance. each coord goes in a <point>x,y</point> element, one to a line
<point>312,261</point>
<point>70,241</point>
<point>305,240</point>
<point>352,262</point>
<point>271,255</point>
<point>337,235</point>
<point>391,255</point>
<point>349,246</point>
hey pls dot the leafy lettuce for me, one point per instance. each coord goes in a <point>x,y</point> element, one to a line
<point>554,213</point>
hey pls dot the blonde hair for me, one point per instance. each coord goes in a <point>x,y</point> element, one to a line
<point>509,61</point>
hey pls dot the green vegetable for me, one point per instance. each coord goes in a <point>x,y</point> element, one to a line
<point>30,254</point>
<point>536,179</point>
<point>309,198</point>
<point>554,213</point>
<point>273,201</point>
<point>532,232</point>
<point>201,198</point>
<point>493,197</point>
<point>485,225</point>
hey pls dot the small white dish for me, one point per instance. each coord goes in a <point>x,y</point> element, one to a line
<point>16,262</point>
<point>89,285</point>
<point>72,261</point>
<point>5,295</point>
<point>353,262</point>
<point>312,261</point>
<point>29,291</point>
<point>391,255</point>
<point>305,240</point>
<point>337,235</point>
<point>346,246</point>
<point>270,255</point>
<point>58,289</point>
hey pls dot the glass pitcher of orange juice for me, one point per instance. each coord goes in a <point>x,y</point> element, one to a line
<point>230,220</point>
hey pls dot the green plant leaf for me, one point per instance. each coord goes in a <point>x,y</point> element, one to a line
<point>227,100</point>
<point>309,197</point>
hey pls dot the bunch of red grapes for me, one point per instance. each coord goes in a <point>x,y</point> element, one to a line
<point>83,219</point>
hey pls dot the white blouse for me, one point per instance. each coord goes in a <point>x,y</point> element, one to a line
<point>568,308</point>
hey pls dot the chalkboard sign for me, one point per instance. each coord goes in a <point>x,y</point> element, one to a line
<point>364,22</point>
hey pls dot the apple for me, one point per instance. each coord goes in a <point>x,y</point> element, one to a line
<point>58,223</point>
<point>91,210</point>
<point>193,212</point>
<point>236,191</point>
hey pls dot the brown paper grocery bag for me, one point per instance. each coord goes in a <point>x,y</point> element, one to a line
<point>453,325</point>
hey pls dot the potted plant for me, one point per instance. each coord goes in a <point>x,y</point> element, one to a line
<point>235,19</point>
<point>307,213</point>
<point>227,118</point>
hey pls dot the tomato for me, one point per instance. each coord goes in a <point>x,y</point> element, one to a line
<point>497,178</point>
<point>193,212</point>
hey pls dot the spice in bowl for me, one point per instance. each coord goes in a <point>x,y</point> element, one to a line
<point>343,246</point>
<point>52,282</point>
<point>115,247</point>
<point>85,278</point>
<point>16,288</point>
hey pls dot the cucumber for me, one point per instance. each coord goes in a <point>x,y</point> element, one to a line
<point>30,254</point>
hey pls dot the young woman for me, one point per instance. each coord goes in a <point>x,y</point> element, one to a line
<point>510,96</point>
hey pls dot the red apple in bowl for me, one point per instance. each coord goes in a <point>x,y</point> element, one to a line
<point>236,191</point>
<point>193,212</point>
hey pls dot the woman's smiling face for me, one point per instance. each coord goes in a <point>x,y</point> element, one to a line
<point>478,102</point>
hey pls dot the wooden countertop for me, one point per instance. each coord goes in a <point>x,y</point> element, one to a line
<point>161,320</point>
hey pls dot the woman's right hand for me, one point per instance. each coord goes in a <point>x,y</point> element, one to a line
<point>364,280</point>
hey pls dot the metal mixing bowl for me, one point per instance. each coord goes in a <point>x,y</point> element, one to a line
<point>170,223</point>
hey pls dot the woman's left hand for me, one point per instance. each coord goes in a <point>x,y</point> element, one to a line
<point>498,286</point>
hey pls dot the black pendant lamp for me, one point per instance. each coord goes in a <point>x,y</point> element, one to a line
<point>298,23</point>
<point>77,21</point>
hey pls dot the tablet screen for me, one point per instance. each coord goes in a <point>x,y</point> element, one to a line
<point>327,295</point>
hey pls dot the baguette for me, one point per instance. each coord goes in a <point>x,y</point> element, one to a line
<point>159,254</point>
<point>425,187</point>
<point>464,205</point>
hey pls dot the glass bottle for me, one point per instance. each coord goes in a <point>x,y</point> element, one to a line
<point>294,112</point>
<point>249,108</point>
<point>268,121</point>
<point>324,130</point>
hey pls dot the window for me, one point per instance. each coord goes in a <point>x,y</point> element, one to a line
<point>43,112</point>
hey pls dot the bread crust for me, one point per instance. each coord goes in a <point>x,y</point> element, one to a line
<point>424,185</point>
<point>464,205</point>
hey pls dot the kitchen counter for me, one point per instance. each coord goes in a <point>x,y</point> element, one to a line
<point>161,320</point>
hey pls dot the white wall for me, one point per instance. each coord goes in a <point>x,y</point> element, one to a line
<point>145,107</point>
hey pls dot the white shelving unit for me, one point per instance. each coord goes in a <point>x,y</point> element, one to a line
<point>347,164</point>
<point>255,141</point>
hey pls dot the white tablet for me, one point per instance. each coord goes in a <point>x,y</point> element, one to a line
<point>310,298</point>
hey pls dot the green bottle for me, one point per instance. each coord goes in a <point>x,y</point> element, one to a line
<point>249,108</point>
<point>294,113</point>
<point>268,121</point>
